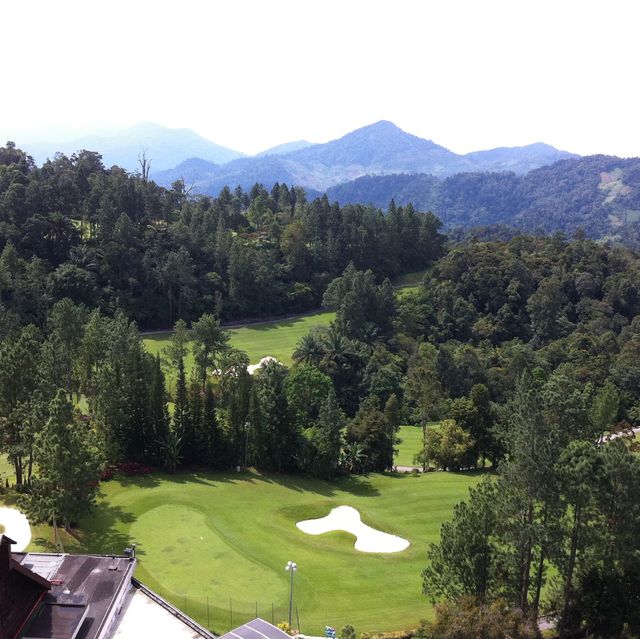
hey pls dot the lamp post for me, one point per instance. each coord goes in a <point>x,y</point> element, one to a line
<point>291,566</point>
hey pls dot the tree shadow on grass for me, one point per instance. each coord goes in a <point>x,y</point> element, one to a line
<point>98,533</point>
<point>140,481</point>
<point>355,484</point>
<point>102,532</point>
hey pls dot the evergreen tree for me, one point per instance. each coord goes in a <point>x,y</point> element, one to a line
<point>158,412</point>
<point>69,462</point>
<point>324,439</point>
<point>181,416</point>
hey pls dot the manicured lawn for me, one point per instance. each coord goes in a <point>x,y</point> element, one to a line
<point>228,537</point>
<point>6,470</point>
<point>410,444</point>
<point>277,339</point>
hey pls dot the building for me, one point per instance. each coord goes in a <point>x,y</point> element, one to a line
<point>65,596</point>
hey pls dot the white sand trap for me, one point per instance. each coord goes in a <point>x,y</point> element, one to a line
<point>348,519</point>
<point>265,360</point>
<point>16,527</point>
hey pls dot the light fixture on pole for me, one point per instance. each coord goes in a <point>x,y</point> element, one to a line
<point>291,566</point>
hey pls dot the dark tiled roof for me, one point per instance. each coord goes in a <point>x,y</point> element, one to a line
<point>256,629</point>
<point>85,590</point>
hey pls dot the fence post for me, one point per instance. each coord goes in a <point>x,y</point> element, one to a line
<point>298,616</point>
<point>185,604</point>
<point>230,614</point>
<point>273,621</point>
<point>208,620</point>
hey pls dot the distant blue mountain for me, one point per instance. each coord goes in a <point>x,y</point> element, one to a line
<point>163,146</point>
<point>378,149</point>
<point>287,147</point>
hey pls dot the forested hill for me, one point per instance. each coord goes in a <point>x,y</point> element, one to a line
<point>599,194</point>
<point>109,239</point>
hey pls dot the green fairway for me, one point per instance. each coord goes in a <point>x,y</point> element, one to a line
<point>227,537</point>
<point>278,338</point>
<point>410,443</point>
<point>7,470</point>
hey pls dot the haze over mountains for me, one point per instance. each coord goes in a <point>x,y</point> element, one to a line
<point>165,147</point>
<point>534,187</point>
<point>378,149</point>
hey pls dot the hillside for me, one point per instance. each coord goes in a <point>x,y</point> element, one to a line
<point>378,149</point>
<point>600,194</point>
<point>287,147</point>
<point>165,147</point>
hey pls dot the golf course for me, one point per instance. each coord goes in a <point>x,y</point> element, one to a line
<point>224,539</point>
<point>276,338</point>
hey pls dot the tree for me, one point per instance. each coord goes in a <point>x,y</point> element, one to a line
<point>67,324</point>
<point>372,431</point>
<point>181,415</point>
<point>347,632</point>
<point>465,619</point>
<point>21,393</point>
<point>464,562</point>
<point>580,472</point>
<point>276,434</point>
<point>605,408</point>
<point>324,439</point>
<point>306,388</point>
<point>209,343</point>
<point>69,463</point>
<point>448,447</point>
<point>359,301</point>
<point>170,449</point>
<point>353,457</point>
<point>177,349</point>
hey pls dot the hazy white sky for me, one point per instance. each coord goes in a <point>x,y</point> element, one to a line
<point>249,74</point>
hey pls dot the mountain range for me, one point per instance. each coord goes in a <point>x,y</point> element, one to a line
<point>599,194</point>
<point>165,147</point>
<point>378,149</point>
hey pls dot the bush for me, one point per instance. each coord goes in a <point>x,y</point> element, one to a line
<point>347,632</point>
<point>107,474</point>
<point>131,468</point>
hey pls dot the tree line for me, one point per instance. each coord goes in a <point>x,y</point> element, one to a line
<point>112,240</point>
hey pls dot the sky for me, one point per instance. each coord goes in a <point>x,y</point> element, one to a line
<point>250,74</point>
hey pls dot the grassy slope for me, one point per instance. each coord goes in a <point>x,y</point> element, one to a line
<point>409,446</point>
<point>229,536</point>
<point>280,337</point>
<point>410,443</point>
<point>6,470</point>
<point>277,339</point>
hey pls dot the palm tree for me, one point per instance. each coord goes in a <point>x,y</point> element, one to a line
<point>353,457</point>
<point>308,349</point>
<point>171,446</point>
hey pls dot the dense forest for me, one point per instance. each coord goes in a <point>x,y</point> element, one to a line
<point>526,351</point>
<point>113,240</point>
<point>598,194</point>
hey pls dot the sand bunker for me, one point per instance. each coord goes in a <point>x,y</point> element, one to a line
<point>348,519</point>
<point>16,527</point>
<point>265,360</point>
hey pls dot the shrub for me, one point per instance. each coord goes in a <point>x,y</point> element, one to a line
<point>107,474</point>
<point>131,468</point>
